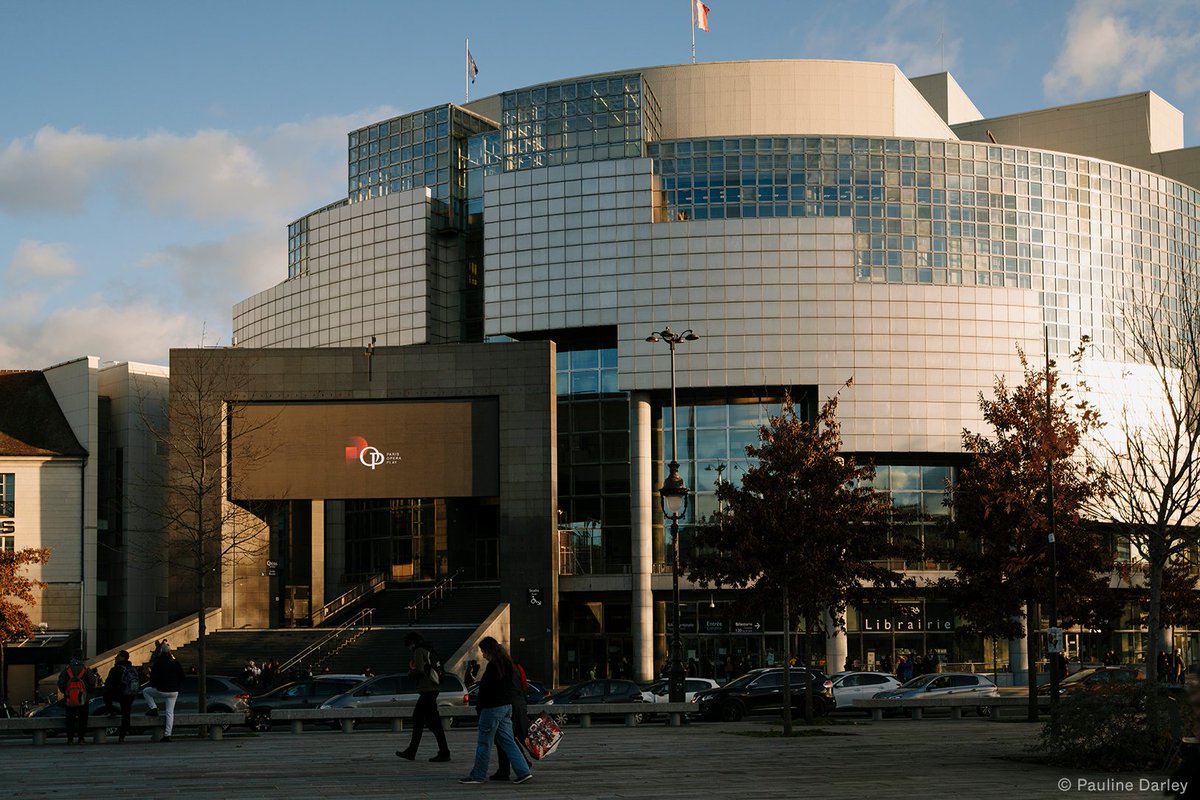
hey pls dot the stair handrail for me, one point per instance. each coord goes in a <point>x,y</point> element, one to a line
<point>438,592</point>
<point>372,585</point>
<point>360,620</point>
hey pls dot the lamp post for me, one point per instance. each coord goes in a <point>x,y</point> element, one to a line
<point>673,496</point>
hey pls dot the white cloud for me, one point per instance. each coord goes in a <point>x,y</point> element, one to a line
<point>1118,45</point>
<point>208,176</point>
<point>32,260</point>
<point>231,193</point>
<point>137,332</point>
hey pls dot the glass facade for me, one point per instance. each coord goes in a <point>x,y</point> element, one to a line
<point>1082,233</point>
<point>920,512</point>
<point>425,148</point>
<point>577,121</point>
<point>593,463</point>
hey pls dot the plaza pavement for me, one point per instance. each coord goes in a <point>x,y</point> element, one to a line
<point>891,759</point>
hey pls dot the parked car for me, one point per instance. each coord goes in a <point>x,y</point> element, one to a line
<point>660,690</point>
<point>224,695</point>
<point>847,686</point>
<point>401,687</point>
<point>761,691</point>
<point>308,693</point>
<point>536,693</point>
<point>1091,678</point>
<point>596,691</point>
<point>939,684</point>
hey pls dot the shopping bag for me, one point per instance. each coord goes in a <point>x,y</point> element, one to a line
<point>543,737</point>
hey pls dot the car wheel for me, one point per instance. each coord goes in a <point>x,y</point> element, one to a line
<point>731,712</point>
<point>640,718</point>
<point>261,721</point>
<point>983,711</point>
<point>561,720</point>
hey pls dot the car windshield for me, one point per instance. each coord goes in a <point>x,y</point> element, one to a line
<point>1078,677</point>
<point>919,681</point>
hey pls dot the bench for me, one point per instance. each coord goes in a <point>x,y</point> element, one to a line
<point>99,724</point>
<point>996,706</point>
<point>631,711</point>
<point>347,718</point>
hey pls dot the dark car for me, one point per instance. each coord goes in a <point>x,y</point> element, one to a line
<point>596,691</point>
<point>308,693</point>
<point>223,695</point>
<point>761,691</point>
<point>1091,678</point>
<point>536,693</point>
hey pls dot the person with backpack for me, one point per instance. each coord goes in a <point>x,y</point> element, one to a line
<point>520,722</point>
<point>166,678</point>
<point>426,666</point>
<point>497,690</point>
<point>120,687</point>
<point>76,683</point>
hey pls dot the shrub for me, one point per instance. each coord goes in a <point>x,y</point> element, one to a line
<point>1118,727</point>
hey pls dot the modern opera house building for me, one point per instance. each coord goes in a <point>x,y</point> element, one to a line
<point>458,377</point>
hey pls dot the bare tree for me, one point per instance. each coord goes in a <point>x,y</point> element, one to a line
<point>206,432</point>
<point>16,595</point>
<point>1151,456</point>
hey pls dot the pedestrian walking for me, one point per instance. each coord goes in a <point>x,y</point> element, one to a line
<point>76,683</point>
<point>497,688</point>
<point>426,667</point>
<point>166,677</point>
<point>520,721</point>
<point>120,687</point>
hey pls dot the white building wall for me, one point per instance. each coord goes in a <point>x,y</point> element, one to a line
<point>75,386</point>
<point>46,514</point>
<point>769,98</point>
<point>138,393</point>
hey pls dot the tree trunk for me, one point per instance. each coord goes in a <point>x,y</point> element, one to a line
<point>787,670</point>
<point>1032,615</point>
<point>808,683</point>
<point>202,667</point>
<point>1154,614</point>
<point>3,675</point>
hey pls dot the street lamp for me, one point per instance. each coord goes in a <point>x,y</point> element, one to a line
<point>673,496</point>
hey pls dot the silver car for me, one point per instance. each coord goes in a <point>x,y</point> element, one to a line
<point>849,686</point>
<point>397,689</point>
<point>937,684</point>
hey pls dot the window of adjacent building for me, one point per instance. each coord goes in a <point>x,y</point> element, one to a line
<point>8,544</point>
<point>7,494</point>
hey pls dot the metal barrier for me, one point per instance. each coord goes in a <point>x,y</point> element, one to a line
<point>359,621</point>
<point>374,584</point>
<point>431,598</point>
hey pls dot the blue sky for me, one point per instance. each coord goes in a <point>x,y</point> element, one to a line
<point>152,154</point>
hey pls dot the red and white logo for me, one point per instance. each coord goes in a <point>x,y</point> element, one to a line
<point>368,456</point>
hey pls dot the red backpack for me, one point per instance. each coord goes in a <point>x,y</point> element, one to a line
<point>76,688</point>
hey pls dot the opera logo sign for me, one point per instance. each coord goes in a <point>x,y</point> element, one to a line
<point>358,452</point>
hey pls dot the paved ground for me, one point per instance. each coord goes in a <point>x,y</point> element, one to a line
<point>890,759</point>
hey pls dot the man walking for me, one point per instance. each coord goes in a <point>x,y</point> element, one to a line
<point>76,684</point>
<point>121,686</point>
<point>426,668</point>
<point>166,676</point>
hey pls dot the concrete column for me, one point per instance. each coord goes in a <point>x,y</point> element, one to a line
<point>317,544</point>
<point>641,432</point>
<point>836,646</point>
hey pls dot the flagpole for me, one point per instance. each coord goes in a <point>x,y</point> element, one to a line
<point>693,5</point>
<point>467,67</point>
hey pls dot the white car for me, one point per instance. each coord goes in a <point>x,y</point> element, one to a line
<point>660,690</point>
<point>848,686</point>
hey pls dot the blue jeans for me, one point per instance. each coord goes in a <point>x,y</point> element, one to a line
<point>495,725</point>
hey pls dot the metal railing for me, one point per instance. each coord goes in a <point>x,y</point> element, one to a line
<point>376,583</point>
<point>431,598</point>
<point>355,625</point>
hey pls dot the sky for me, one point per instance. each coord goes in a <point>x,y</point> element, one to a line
<point>152,154</point>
